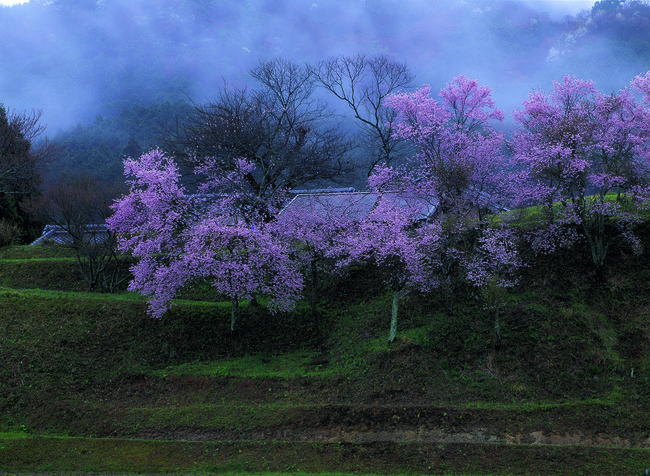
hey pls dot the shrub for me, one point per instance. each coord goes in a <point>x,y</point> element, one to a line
<point>9,232</point>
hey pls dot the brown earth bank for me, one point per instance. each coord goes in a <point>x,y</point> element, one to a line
<point>38,454</point>
<point>592,424</point>
<point>361,434</point>
<point>272,410</point>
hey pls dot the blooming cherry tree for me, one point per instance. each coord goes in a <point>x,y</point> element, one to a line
<point>241,262</point>
<point>314,228</point>
<point>181,239</point>
<point>459,166</point>
<point>493,268</point>
<point>459,158</point>
<point>641,84</point>
<point>389,238</point>
<point>574,147</point>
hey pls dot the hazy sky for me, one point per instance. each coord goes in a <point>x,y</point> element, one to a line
<point>559,8</point>
<point>62,77</point>
<point>555,7</point>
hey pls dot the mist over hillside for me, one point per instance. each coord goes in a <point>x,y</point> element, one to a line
<point>75,59</point>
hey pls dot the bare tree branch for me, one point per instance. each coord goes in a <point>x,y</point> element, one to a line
<point>21,164</point>
<point>80,205</point>
<point>363,83</point>
<point>280,127</point>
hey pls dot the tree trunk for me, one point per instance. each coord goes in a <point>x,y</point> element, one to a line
<point>393,320</point>
<point>234,311</point>
<point>313,296</point>
<point>497,331</point>
<point>597,241</point>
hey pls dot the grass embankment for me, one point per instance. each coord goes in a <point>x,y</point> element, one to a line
<point>91,383</point>
<point>530,217</point>
<point>92,455</point>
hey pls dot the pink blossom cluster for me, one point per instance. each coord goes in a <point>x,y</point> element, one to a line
<point>496,257</point>
<point>575,146</point>
<point>460,158</point>
<point>181,239</point>
<point>429,225</point>
<point>390,238</point>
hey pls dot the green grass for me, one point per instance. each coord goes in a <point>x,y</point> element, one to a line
<point>36,252</point>
<point>231,473</point>
<point>530,217</point>
<point>10,435</point>
<point>91,383</point>
<point>122,455</point>
<point>257,366</point>
<point>80,295</point>
<point>256,473</point>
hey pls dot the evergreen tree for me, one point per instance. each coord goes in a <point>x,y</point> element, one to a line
<point>21,167</point>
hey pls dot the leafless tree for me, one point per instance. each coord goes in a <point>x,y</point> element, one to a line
<point>23,162</point>
<point>280,127</point>
<point>363,83</point>
<point>80,205</point>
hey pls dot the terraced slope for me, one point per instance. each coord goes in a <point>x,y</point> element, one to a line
<point>90,383</point>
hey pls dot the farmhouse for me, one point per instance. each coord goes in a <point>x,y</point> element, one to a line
<point>92,234</point>
<point>327,203</point>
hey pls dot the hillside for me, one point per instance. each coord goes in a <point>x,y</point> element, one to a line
<point>89,382</point>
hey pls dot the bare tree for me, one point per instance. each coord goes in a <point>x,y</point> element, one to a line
<point>80,205</point>
<point>363,83</point>
<point>280,127</point>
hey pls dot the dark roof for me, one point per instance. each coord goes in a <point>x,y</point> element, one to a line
<point>355,205</point>
<point>322,190</point>
<point>93,233</point>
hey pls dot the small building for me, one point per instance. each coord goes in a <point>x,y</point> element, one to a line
<point>92,234</point>
<point>355,205</point>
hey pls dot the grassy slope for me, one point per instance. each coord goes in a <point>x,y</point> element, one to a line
<point>574,362</point>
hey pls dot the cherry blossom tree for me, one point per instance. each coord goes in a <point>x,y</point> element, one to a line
<point>241,262</point>
<point>314,227</point>
<point>493,269</point>
<point>181,239</point>
<point>575,146</point>
<point>459,167</point>
<point>389,237</point>
<point>641,84</point>
<point>459,158</point>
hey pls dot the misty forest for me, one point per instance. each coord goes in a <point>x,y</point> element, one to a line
<point>420,204</point>
<point>113,79</point>
<point>106,72</point>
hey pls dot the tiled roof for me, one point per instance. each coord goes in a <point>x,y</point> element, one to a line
<point>95,233</point>
<point>355,205</point>
<point>322,190</point>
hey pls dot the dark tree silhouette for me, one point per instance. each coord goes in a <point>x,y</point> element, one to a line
<point>287,135</point>
<point>22,166</point>
<point>363,83</point>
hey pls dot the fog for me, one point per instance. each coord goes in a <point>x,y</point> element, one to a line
<point>558,9</point>
<point>75,59</point>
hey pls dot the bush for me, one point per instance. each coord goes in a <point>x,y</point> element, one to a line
<point>9,232</point>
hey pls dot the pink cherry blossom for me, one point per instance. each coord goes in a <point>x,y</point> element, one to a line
<point>182,239</point>
<point>573,147</point>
